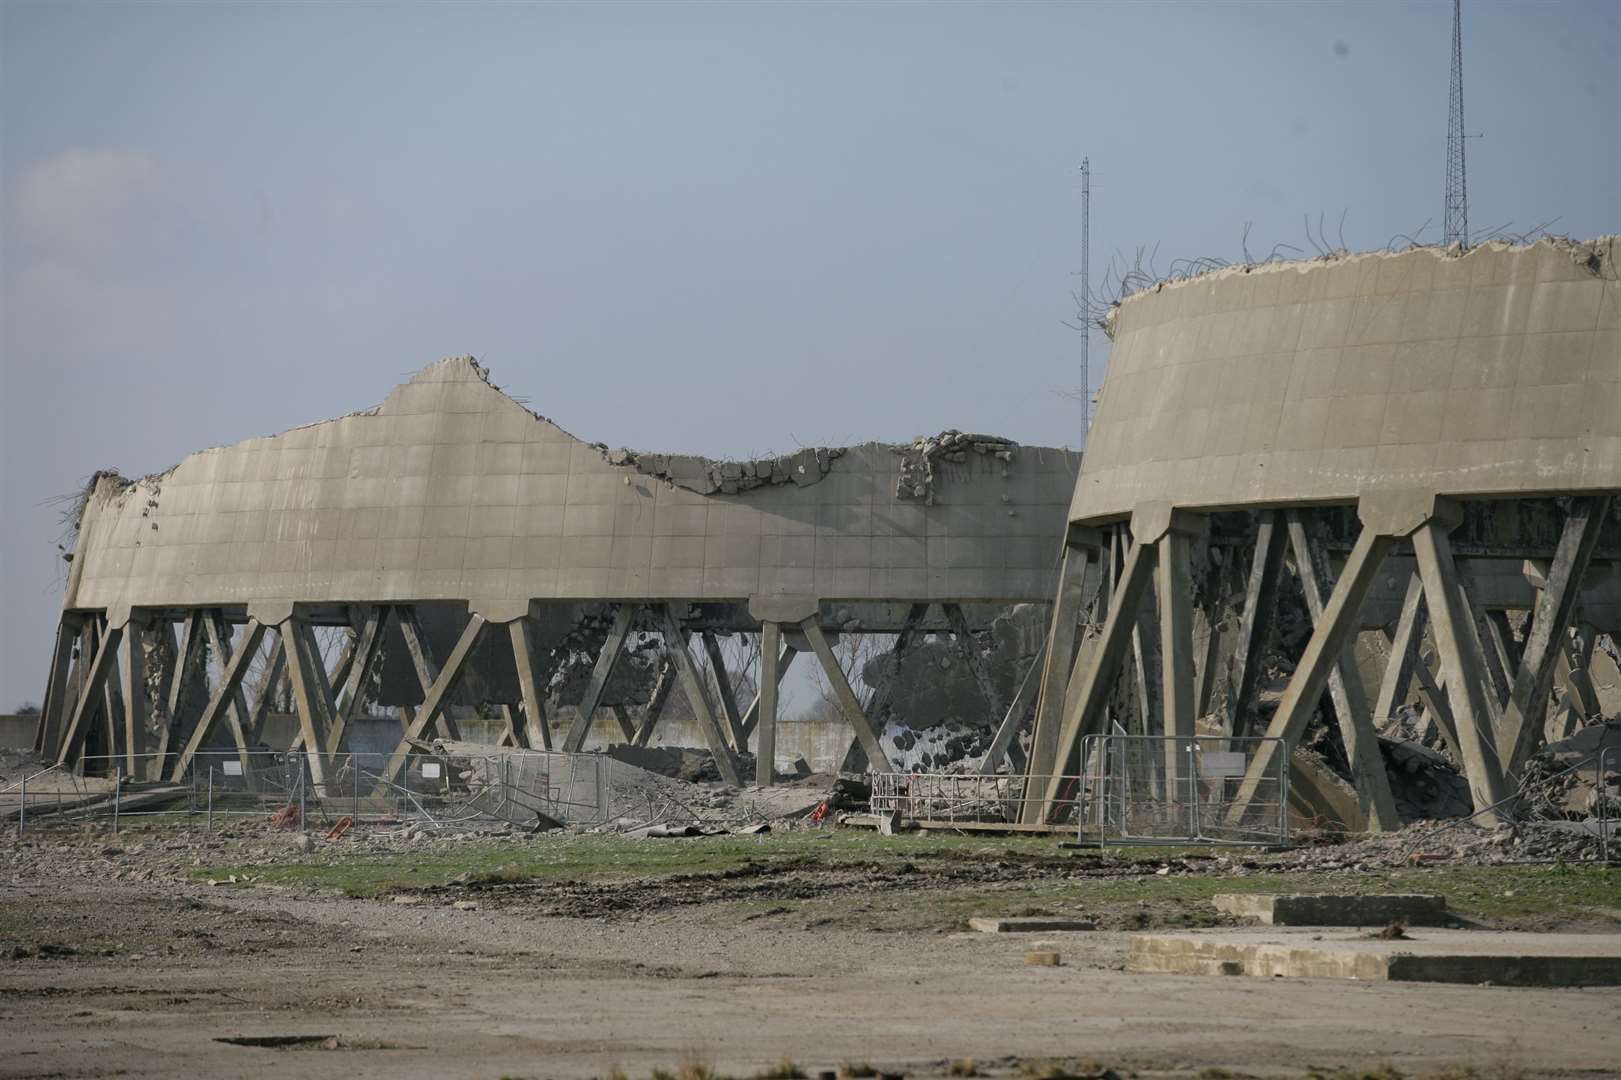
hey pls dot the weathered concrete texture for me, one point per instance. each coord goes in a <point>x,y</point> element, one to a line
<point>1448,956</point>
<point>452,490</point>
<point>1375,909</point>
<point>1497,372</point>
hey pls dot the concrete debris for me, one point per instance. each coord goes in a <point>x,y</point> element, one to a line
<point>1350,909</point>
<point>708,476</point>
<point>917,476</point>
<point>1424,783</point>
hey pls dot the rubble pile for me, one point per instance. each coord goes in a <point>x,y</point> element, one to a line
<point>1424,782</point>
<point>707,476</point>
<point>1576,779</point>
<point>917,477</point>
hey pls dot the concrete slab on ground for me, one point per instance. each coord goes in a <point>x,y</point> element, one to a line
<point>1450,956</point>
<point>1034,924</point>
<point>1373,909</point>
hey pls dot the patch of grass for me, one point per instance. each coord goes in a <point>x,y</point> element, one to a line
<point>1066,1070</point>
<point>856,1070</point>
<point>1473,892</point>
<point>782,1070</point>
<point>599,857</point>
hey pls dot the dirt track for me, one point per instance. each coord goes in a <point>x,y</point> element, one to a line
<point>571,978</point>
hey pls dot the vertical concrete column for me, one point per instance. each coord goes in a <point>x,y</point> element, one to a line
<point>1175,587</point>
<point>537,732</point>
<point>134,674</point>
<point>1260,601</point>
<point>765,753</point>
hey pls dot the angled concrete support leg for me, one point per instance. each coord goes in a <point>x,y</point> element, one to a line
<point>1260,601</point>
<point>1398,676</point>
<point>1098,666</point>
<point>90,696</point>
<point>693,684</point>
<point>1005,743</point>
<point>437,694</point>
<point>1345,689</point>
<point>353,696</point>
<point>227,700</point>
<point>1435,702</point>
<point>1525,716</point>
<point>785,659</point>
<point>537,733</point>
<point>1578,683</point>
<point>422,660</point>
<point>723,688</point>
<point>53,710</point>
<point>236,712</point>
<point>664,680</point>
<point>1339,622</point>
<point>855,758</point>
<point>877,760</point>
<point>187,656</point>
<point>1063,631</point>
<point>606,659</point>
<point>765,753</point>
<point>1148,666</point>
<point>968,649</point>
<point>1462,665</point>
<point>264,695</point>
<point>303,658</point>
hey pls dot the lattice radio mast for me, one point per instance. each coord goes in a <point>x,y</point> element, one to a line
<point>1455,230</point>
<point>1086,296</point>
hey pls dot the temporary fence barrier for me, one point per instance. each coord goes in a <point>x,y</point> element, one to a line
<point>520,787</point>
<point>1151,789</point>
<point>969,798</point>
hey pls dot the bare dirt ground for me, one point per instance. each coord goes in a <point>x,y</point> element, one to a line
<point>119,959</point>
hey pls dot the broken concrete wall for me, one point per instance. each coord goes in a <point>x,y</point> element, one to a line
<point>452,491</point>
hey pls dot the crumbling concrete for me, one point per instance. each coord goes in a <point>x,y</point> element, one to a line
<point>1444,956</point>
<point>1370,909</point>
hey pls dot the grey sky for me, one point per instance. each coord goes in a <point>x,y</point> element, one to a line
<point>711,228</point>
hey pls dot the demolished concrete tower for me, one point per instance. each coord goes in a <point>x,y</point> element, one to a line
<point>1359,410</point>
<point>452,494</point>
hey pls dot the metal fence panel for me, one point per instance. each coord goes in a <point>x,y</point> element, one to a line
<point>1163,789</point>
<point>969,798</point>
<point>521,787</point>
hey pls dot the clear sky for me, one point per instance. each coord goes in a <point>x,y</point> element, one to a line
<point>715,228</point>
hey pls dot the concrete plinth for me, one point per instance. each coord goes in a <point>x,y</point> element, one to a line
<point>1415,909</point>
<point>1029,925</point>
<point>1451,956</point>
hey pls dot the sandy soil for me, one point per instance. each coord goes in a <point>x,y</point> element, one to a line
<point>143,977</point>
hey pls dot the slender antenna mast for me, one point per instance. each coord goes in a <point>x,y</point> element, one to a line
<point>1456,222</point>
<point>1086,296</point>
